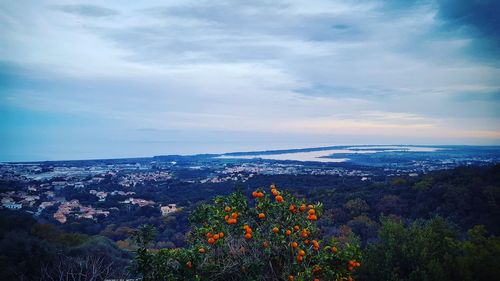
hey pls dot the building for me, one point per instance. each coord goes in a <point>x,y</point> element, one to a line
<point>170,208</point>
<point>13,206</point>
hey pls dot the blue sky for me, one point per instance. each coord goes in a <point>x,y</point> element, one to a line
<point>105,79</point>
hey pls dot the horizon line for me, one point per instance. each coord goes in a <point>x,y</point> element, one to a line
<point>240,152</point>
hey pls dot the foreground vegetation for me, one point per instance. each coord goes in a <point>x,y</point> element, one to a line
<point>273,237</point>
<point>431,250</point>
<point>33,251</point>
<point>278,239</point>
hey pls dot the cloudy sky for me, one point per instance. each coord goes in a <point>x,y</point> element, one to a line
<point>102,79</point>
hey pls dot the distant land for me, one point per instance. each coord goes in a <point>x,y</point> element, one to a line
<point>401,155</point>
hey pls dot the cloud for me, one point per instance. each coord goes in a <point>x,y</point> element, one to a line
<point>480,14</point>
<point>87,10</point>
<point>478,18</point>
<point>291,70</point>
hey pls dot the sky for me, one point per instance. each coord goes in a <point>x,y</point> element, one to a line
<point>114,79</point>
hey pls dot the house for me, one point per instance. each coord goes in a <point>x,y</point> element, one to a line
<point>60,217</point>
<point>138,201</point>
<point>170,208</point>
<point>101,195</point>
<point>13,206</point>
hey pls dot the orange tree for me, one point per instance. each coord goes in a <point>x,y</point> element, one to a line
<point>272,237</point>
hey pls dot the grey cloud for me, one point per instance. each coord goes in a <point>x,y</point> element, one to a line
<point>236,32</point>
<point>278,20</point>
<point>479,18</point>
<point>372,93</point>
<point>87,10</point>
<point>476,19</point>
<point>481,14</point>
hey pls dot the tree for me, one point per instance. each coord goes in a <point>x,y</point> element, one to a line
<point>431,250</point>
<point>273,237</point>
<point>357,206</point>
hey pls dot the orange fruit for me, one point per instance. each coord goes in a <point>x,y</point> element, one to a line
<point>288,232</point>
<point>302,253</point>
<point>228,209</point>
<point>312,212</point>
<point>273,186</point>
<point>357,264</point>
<point>201,250</point>
<point>255,194</point>
<point>248,230</point>
<point>300,258</point>
<point>349,279</point>
<point>209,235</point>
<point>266,244</point>
<point>275,230</point>
<point>302,207</point>
<point>248,236</point>
<point>290,278</point>
<point>216,236</point>
<point>306,241</point>
<point>211,240</point>
<point>316,279</point>
<point>296,228</point>
<point>246,226</point>
<point>294,245</point>
<point>221,234</point>
<point>315,243</point>
<point>279,198</point>
<point>260,194</point>
<point>310,206</point>
<point>334,249</point>
<point>312,217</point>
<point>262,216</point>
<point>234,215</point>
<point>189,264</point>
<point>350,268</point>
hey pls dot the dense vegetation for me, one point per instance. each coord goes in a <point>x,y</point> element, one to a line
<point>269,238</point>
<point>431,250</point>
<point>32,251</point>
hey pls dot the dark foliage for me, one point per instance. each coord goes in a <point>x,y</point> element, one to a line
<point>32,251</point>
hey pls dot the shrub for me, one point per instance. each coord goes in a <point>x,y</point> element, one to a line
<point>271,237</point>
<point>431,250</point>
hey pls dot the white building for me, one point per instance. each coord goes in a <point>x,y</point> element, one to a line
<point>13,206</point>
<point>170,208</point>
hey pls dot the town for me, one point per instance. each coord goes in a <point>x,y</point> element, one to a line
<point>93,190</point>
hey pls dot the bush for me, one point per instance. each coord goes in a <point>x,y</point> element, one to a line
<point>273,237</point>
<point>431,250</point>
